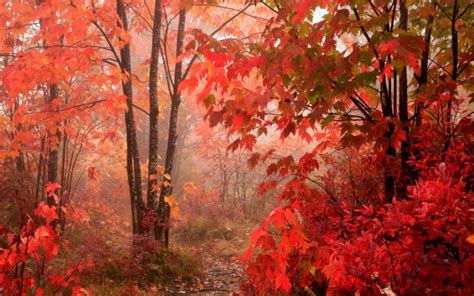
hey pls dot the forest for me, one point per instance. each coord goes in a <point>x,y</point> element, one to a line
<point>236,147</point>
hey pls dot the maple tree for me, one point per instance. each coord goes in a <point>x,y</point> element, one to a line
<point>63,64</point>
<point>355,115</point>
<point>386,77</point>
<point>25,263</point>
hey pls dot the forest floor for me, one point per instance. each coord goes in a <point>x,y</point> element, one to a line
<point>221,276</point>
<point>222,272</point>
<point>203,259</point>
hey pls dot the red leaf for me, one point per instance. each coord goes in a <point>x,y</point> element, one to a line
<point>302,8</point>
<point>246,256</point>
<point>42,232</point>
<point>281,281</point>
<point>219,59</point>
<point>398,137</point>
<point>256,234</point>
<point>389,46</point>
<point>189,84</point>
<point>46,212</point>
<point>386,72</point>
<point>237,121</point>
<point>51,187</point>
<point>78,291</point>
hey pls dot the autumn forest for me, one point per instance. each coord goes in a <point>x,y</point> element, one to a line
<point>236,147</point>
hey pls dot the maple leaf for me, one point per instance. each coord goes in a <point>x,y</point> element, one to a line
<point>189,84</point>
<point>79,291</point>
<point>389,46</point>
<point>42,232</point>
<point>237,120</point>
<point>52,251</point>
<point>46,212</point>
<point>246,256</point>
<point>257,234</point>
<point>302,8</point>
<point>219,59</point>
<point>470,239</point>
<point>386,72</point>
<point>282,281</point>
<point>50,188</point>
<point>398,137</point>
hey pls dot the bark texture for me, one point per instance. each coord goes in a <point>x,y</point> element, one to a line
<point>152,189</point>
<point>133,158</point>
<point>167,187</point>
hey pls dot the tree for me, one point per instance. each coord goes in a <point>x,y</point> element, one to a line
<point>175,84</point>
<point>166,188</point>
<point>152,191</point>
<point>371,75</point>
<point>133,157</point>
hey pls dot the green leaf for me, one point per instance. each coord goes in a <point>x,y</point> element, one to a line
<point>315,94</point>
<point>286,80</point>
<point>326,121</point>
<point>210,100</point>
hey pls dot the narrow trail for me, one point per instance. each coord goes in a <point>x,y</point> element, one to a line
<point>221,276</point>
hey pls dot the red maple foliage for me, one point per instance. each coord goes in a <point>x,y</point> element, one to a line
<point>381,201</point>
<point>25,260</point>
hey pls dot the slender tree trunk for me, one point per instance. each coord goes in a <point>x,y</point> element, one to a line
<point>52,161</point>
<point>166,187</point>
<point>224,184</point>
<point>133,158</point>
<point>179,160</point>
<point>389,179</point>
<point>39,173</point>
<point>403,113</point>
<point>53,151</point>
<point>388,110</point>
<point>152,190</point>
<point>63,190</point>
<point>63,163</point>
<point>422,80</point>
<point>454,74</point>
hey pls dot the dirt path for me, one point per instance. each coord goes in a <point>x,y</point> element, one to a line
<point>222,276</point>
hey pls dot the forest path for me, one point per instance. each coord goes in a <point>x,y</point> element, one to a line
<point>222,275</point>
<point>222,272</point>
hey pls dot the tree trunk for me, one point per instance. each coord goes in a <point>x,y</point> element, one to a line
<point>403,113</point>
<point>52,160</point>
<point>152,190</point>
<point>39,172</point>
<point>388,110</point>
<point>422,80</point>
<point>53,151</point>
<point>390,153</point>
<point>133,158</point>
<point>167,187</point>
<point>454,74</point>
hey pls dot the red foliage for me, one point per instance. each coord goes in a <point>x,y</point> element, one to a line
<point>25,259</point>
<point>393,211</point>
